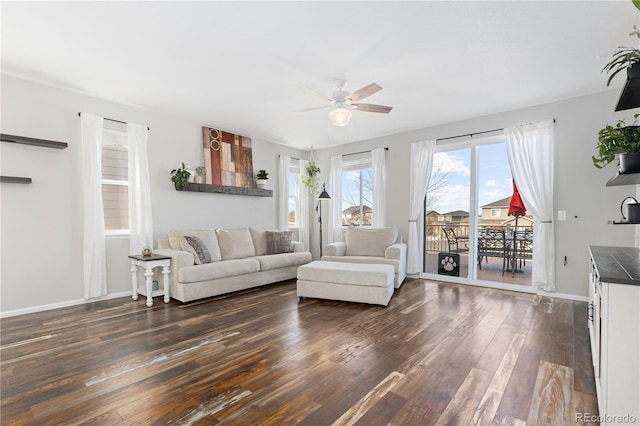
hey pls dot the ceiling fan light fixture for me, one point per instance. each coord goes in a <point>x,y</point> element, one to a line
<point>340,116</point>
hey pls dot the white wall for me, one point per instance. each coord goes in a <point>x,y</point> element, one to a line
<point>579,186</point>
<point>41,223</point>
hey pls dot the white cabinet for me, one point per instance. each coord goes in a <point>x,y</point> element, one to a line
<point>614,328</point>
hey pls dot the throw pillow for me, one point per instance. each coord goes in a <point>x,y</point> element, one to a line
<point>369,241</point>
<point>235,243</point>
<point>279,242</point>
<point>196,247</point>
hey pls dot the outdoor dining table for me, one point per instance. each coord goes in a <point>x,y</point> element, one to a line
<point>516,246</point>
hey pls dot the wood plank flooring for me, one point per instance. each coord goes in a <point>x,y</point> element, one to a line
<point>440,353</point>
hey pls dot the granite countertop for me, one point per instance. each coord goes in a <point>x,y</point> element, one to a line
<point>617,264</point>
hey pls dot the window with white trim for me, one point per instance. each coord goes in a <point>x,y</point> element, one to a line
<point>496,212</point>
<point>357,191</point>
<point>115,178</point>
<point>294,181</point>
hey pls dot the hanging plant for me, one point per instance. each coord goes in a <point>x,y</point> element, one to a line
<point>311,178</point>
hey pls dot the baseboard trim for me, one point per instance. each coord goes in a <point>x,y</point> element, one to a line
<point>68,303</point>
<point>563,296</point>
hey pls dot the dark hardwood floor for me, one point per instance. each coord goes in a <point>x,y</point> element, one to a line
<point>438,354</point>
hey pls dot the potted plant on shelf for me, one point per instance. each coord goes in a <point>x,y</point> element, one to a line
<point>625,58</point>
<point>199,177</point>
<point>311,178</point>
<point>180,177</point>
<point>262,178</point>
<point>619,140</point>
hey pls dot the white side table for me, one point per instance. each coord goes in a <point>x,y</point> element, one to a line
<point>148,263</point>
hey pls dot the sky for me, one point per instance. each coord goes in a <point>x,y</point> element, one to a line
<point>494,177</point>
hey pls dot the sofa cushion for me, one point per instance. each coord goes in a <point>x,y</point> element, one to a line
<point>197,248</point>
<point>371,260</point>
<point>212,271</point>
<point>279,242</point>
<point>259,238</point>
<point>347,273</point>
<point>369,242</point>
<point>207,236</point>
<point>235,243</point>
<point>275,261</point>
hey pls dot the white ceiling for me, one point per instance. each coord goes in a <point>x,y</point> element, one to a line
<point>244,66</point>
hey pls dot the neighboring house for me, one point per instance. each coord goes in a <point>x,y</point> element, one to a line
<point>351,216</point>
<point>497,214</point>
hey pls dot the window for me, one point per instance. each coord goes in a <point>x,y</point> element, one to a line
<point>294,178</point>
<point>115,178</point>
<point>357,192</point>
<point>496,212</point>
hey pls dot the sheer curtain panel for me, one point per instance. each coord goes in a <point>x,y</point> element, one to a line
<point>530,153</point>
<point>94,262</point>
<point>302,209</point>
<point>379,187</point>
<point>335,192</point>
<point>421,163</point>
<point>283,192</point>
<point>140,215</point>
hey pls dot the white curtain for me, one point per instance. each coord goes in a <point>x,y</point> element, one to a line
<point>335,192</point>
<point>140,217</point>
<point>94,261</point>
<point>302,209</point>
<point>421,163</point>
<point>379,187</point>
<point>283,192</point>
<point>530,153</point>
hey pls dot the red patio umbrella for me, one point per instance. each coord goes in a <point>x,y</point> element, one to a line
<point>516,208</point>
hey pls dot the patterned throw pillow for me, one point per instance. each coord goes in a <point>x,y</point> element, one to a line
<point>279,242</point>
<point>196,247</point>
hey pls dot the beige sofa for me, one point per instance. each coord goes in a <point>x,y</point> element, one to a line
<point>373,246</point>
<point>208,262</point>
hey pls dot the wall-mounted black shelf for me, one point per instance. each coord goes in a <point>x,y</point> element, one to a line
<point>624,179</point>
<point>222,189</point>
<point>14,179</point>
<point>32,141</point>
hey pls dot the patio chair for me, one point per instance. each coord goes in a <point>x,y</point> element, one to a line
<point>493,243</point>
<point>453,242</point>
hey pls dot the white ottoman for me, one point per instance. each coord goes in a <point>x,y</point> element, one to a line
<point>350,282</point>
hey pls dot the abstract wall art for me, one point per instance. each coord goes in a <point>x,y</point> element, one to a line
<point>228,158</point>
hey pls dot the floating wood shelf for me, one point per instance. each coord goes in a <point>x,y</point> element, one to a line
<point>14,179</point>
<point>32,141</point>
<point>221,189</point>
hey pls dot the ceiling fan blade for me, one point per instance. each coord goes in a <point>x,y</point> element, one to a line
<point>313,109</point>
<point>373,108</point>
<point>318,94</point>
<point>364,92</point>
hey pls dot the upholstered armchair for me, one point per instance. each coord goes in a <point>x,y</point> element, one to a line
<point>371,245</point>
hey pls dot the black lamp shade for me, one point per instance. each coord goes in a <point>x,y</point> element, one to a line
<point>323,195</point>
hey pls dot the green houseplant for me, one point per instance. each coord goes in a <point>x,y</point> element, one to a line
<point>625,57</point>
<point>180,177</point>
<point>262,178</point>
<point>311,178</point>
<point>619,139</point>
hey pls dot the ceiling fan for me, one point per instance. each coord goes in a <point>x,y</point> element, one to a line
<point>343,102</point>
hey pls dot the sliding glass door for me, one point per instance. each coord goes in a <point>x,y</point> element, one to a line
<point>469,235</point>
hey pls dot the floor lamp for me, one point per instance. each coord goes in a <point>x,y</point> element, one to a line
<point>323,196</point>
